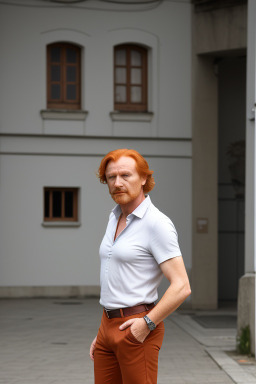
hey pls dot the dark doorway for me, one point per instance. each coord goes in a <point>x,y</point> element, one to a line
<point>231,174</point>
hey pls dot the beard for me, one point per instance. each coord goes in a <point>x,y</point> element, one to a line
<point>124,197</point>
<point>121,198</point>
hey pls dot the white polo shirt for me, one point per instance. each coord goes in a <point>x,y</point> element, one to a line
<point>130,272</point>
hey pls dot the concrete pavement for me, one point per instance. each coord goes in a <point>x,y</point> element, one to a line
<point>46,341</point>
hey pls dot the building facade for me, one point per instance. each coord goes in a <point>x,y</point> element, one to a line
<point>80,79</point>
<point>174,80</point>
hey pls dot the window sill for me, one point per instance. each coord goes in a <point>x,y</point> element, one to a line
<point>54,114</point>
<point>131,116</point>
<point>61,224</point>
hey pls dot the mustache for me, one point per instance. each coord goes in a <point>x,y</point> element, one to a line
<point>118,190</point>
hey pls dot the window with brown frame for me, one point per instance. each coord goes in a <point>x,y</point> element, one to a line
<point>63,76</point>
<point>60,204</point>
<point>130,78</point>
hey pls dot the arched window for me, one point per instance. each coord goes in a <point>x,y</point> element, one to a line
<point>130,78</point>
<point>63,76</point>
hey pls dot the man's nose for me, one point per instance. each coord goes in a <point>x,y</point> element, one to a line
<point>118,181</point>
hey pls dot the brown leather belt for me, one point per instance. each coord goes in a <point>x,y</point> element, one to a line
<point>129,311</point>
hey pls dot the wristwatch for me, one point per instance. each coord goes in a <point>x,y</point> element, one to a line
<point>150,323</point>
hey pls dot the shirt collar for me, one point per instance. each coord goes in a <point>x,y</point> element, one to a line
<point>139,211</point>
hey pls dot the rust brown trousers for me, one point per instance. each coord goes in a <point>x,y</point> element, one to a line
<point>121,359</point>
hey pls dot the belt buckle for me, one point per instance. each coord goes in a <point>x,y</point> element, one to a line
<point>106,311</point>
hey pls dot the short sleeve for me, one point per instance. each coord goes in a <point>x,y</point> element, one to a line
<point>164,240</point>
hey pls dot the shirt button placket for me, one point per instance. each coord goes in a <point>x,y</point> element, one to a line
<point>107,263</point>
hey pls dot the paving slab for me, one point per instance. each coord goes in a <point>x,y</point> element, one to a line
<point>46,341</point>
<point>219,341</point>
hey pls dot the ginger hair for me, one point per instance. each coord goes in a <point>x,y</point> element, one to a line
<point>141,166</point>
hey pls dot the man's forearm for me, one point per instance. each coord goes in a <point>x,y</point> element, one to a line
<point>171,300</point>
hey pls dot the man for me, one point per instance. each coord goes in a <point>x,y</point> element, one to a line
<point>139,247</point>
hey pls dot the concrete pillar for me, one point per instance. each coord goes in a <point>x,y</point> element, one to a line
<point>246,294</point>
<point>205,185</point>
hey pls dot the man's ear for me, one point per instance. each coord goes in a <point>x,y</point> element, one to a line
<point>144,180</point>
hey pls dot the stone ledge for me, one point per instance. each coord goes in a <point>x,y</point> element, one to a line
<point>132,116</point>
<point>61,224</point>
<point>49,291</point>
<point>49,114</point>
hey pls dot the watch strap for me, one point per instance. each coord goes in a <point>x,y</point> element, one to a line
<point>151,325</point>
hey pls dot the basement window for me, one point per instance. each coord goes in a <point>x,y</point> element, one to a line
<point>60,205</point>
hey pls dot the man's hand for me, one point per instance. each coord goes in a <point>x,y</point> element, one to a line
<point>92,349</point>
<point>139,328</point>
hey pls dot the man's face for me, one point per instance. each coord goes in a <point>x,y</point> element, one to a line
<point>124,182</point>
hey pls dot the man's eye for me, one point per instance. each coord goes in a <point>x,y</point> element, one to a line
<point>110,177</point>
<point>125,175</point>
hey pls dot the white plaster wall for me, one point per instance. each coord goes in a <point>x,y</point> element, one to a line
<point>35,153</point>
<point>32,255</point>
<point>25,32</point>
<point>172,195</point>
